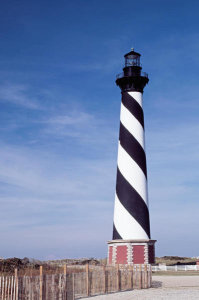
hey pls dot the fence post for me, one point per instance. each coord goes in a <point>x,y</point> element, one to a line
<point>16,283</point>
<point>140,276</point>
<point>118,277</point>
<point>132,279</point>
<point>11,289</point>
<point>73,279</point>
<point>65,269</point>
<point>145,277</point>
<point>87,280</point>
<point>65,279</point>
<point>8,295</point>
<point>136,277</point>
<point>40,282</point>
<point>129,276</point>
<point>6,279</point>
<point>150,275</point>
<point>14,288</point>
<point>104,272</point>
<point>2,294</point>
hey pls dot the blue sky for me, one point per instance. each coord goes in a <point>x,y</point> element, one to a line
<point>60,120</point>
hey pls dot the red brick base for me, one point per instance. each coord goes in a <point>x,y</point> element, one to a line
<point>138,254</point>
<point>121,255</point>
<point>131,252</point>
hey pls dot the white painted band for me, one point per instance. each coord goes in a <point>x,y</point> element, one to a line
<point>132,125</point>
<point>132,173</point>
<point>125,224</point>
<point>137,96</point>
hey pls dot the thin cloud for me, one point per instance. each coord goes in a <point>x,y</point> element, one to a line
<point>50,191</point>
<point>18,95</point>
<point>48,174</point>
<point>84,127</point>
<point>70,119</point>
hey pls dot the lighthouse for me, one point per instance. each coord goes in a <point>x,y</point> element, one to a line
<point>131,242</point>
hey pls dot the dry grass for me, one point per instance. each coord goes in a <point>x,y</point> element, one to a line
<point>178,273</point>
<point>173,260</point>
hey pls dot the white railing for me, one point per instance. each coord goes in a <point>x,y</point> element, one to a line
<point>175,268</point>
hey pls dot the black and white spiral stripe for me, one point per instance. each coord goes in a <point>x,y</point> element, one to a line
<point>131,215</point>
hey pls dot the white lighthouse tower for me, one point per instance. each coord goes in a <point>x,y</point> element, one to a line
<point>131,229</point>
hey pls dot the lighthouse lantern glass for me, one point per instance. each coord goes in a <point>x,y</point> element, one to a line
<point>132,60</point>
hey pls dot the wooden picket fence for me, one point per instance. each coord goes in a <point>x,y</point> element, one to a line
<point>93,280</point>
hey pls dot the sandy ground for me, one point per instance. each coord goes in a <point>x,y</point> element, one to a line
<point>164,287</point>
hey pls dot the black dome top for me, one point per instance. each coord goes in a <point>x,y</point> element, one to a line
<point>132,52</point>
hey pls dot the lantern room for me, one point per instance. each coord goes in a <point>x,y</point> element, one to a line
<point>132,59</point>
